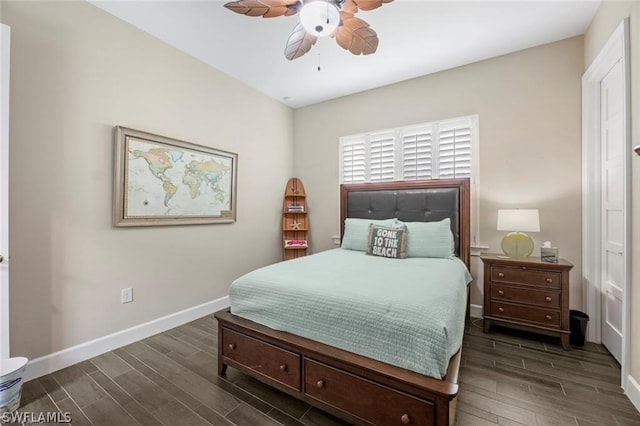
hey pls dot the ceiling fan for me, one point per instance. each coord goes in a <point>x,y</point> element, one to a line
<point>318,18</point>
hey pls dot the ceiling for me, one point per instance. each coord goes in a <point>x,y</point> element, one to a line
<point>416,38</point>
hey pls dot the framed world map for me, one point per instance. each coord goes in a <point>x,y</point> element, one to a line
<point>164,181</point>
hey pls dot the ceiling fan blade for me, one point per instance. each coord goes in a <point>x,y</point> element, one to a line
<point>265,8</point>
<point>370,4</point>
<point>356,36</point>
<point>299,43</point>
<point>350,7</point>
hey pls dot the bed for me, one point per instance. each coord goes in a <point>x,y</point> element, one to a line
<point>335,374</point>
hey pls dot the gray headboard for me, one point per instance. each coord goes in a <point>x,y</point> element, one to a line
<point>412,201</point>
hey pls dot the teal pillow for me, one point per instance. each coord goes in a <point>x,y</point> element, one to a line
<point>429,239</point>
<point>356,232</point>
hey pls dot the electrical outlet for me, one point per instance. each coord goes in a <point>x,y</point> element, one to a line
<point>126,295</point>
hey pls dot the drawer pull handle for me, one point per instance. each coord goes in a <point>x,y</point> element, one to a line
<point>283,367</point>
<point>232,346</point>
<point>549,280</point>
<point>524,267</point>
<point>548,298</point>
<point>548,317</point>
<point>500,309</point>
<point>501,293</point>
<point>405,419</point>
<point>320,384</point>
<point>500,275</point>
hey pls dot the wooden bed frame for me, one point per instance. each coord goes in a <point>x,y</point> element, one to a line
<point>356,388</point>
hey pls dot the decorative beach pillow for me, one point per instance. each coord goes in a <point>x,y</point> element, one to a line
<point>387,241</point>
<point>430,239</point>
<point>356,232</point>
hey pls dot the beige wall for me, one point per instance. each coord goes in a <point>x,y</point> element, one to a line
<point>529,109</point>
<point>77,71</point>
<point>606,20</point>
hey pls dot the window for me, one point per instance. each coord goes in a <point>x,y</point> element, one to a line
<point>382,163</point>
<point>416,154</point>
<point>442,149</point>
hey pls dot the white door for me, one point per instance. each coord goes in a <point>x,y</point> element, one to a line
<point>4,191</point>
<point>613,219</point>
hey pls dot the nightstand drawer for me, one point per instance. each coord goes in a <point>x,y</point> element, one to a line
<point>548,299</point>
<point>528,314</point>
<point>524,275</point>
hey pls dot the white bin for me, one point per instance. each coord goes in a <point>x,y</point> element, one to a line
<point>11,375</point>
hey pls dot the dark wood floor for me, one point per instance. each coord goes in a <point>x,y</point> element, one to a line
<point>506,379</point>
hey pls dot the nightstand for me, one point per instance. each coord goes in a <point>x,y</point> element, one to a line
<point>527,292</point>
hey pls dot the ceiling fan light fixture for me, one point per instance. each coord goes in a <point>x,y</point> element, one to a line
<point>319,17</point>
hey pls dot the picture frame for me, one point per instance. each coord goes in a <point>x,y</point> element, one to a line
<point>163,181</point>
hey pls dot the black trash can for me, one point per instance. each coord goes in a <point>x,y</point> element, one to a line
<point>578,326</point>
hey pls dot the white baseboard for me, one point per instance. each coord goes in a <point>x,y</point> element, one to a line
<point>475,311</point>
<point>58,360</point>
<point>632,389</point>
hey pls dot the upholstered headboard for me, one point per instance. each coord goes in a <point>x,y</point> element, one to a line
<point>412,201</point>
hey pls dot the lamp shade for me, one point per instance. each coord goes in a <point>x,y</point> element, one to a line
<point>519,220</point>
<point>319,17</point>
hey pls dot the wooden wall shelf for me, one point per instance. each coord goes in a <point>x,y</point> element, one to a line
<point>295,220</point>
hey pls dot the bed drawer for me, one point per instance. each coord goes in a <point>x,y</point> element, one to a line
<point>366,400</point>
<point>537,316</point>
<point>265,359</point>
<point>524,275</point>
<point>549,299</point>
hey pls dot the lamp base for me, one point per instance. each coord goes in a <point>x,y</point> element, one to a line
<point>517,245</point>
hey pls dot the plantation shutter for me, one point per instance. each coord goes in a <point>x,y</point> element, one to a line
<point>455,150</point>
<point>353,162</point>
<point>416,154</point>
<point>382,157</point>
<point>443,149</point>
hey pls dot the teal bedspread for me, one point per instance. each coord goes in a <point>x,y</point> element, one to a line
<point>406,312</point>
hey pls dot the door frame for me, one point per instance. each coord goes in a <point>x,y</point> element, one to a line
<point>5,45</point>
<point>616,49</point>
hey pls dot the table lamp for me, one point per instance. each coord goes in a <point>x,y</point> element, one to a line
<point>516,243</point>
